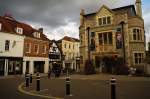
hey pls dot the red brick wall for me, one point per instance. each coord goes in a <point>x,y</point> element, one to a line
<point>32,53</point>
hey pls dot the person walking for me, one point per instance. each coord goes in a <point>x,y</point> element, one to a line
<point>49,73</point>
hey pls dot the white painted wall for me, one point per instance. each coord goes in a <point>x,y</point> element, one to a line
<point>14,51</point>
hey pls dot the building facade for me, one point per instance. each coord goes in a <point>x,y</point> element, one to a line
<point>113,33</point>
<point>22,48</point>
<point>70,49</point>
<point>55,56</point>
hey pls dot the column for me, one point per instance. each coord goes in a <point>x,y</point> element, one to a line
<point>31,67</point>
<point>46,66</point>
<point>6,67</point>
<point>24,67</point>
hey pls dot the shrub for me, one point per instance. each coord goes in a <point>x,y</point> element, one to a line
<point>140,70</point>
<point>122,69</point>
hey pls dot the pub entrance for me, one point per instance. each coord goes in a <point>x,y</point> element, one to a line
<point>106,64</point>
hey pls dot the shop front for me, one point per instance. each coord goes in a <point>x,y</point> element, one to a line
<point>10,65</point>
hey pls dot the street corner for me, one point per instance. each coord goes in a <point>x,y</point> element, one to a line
<point>44,93</point>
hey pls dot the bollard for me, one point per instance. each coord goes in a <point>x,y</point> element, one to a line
<point>30,78</point>
<point>27,80</point>
<point>67,85</point>
<point>113,88</point>
<point>38,82</point>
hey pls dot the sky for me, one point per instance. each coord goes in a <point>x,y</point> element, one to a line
<point>59,18</point>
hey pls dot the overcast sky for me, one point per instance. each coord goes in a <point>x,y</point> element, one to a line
<point>61,17</point>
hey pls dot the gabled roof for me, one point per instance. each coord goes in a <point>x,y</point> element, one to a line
<point>9,25</point>
<point>124,8</point>
<point>104,6</point>
<point>53,41</point>
<point>67,38</point>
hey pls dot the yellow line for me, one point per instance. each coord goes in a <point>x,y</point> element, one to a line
<point>33,94</point>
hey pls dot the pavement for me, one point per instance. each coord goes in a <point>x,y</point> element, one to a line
<point>89,87</point>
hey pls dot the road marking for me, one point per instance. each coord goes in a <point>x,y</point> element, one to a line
<point>33,94</point>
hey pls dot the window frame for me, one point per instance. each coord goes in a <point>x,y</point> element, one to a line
<point>106,35</point>
<point>139,58</point>
<point>37,34</point>
<point>137,34</point>
<point>44,48</point>
<point>102,21</point>
<point>29,48</point>
<point>37,51</point>
<point>19,30</point>
<point>7,47</point>
<point>0,26</point>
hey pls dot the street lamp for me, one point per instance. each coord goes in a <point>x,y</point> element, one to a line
<point>88,30</point>
<point>89,68</point>
<point>124,54</point>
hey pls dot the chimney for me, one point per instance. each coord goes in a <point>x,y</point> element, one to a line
<point>81,17</point>
<point>41,30</point>
<point>139,8</point>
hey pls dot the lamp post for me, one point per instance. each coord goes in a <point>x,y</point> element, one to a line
<point>88,30</point>
<point>124,54</point>
<point>89,69</point>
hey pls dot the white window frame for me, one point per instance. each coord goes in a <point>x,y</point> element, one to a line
<point>37,34</point>
<point>0,26</point>
<point>44,47</point>
<point>7,45</point>
<point>29,50</point>
<point>19,30</point>
<point>103,21</point>
<point>140,34</point>
<point>134,57</point>
<point>37,48</point>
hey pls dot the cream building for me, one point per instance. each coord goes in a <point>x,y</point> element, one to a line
<point>70,48</point>
<point>114,33</point>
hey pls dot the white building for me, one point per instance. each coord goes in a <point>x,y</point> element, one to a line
<point>11,52</point>
<point>70,48</point>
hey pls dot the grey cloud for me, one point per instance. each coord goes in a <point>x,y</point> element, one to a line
<point>53,14</point>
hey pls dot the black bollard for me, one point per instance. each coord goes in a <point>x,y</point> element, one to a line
<point>27,80</point>
<point>67,85</point>
<point>113,88</point>
<point>30,78</point>
<point>38,82</point>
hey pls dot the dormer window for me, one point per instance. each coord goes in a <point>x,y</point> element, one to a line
<point>0,26</point>
<point>19,30</point>
<point>36,34</point>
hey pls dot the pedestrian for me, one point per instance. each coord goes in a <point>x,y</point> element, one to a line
<point>49,73</point>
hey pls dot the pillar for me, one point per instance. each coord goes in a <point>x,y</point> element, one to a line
<point>24,67</point>
<point>31,67</point>
<point>6,67</point>
<point>46,66</point>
